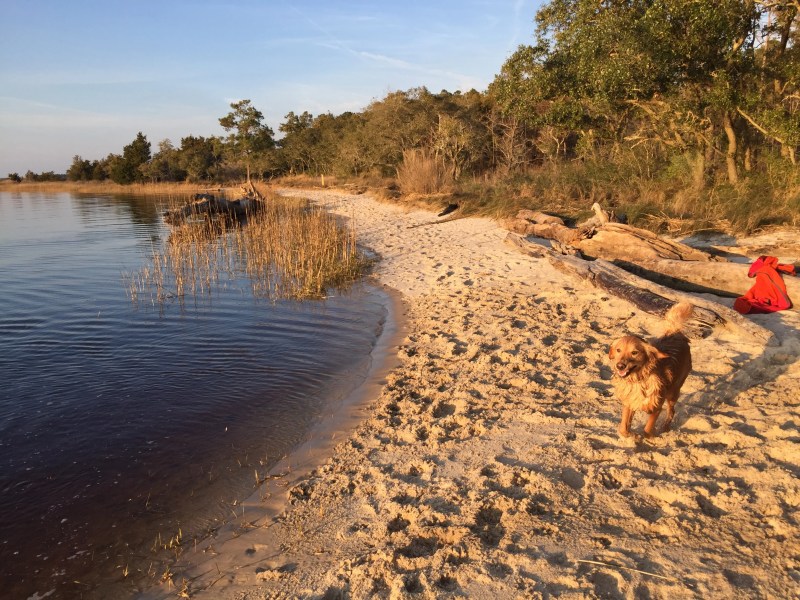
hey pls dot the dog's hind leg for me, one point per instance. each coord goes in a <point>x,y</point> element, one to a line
<point>670,415</point>
<point>625,423</point>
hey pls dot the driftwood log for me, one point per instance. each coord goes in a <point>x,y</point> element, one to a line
<point>598,237</point>
<point>719,278</point>
<point>600,217</point>
<point>210,206</point>
<point>615,241</point>
<point>647,296</point>
<point>549,231</point>
<point>534,216</point>
<point>518,242</point>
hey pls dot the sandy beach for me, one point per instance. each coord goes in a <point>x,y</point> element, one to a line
<point>483,460</point>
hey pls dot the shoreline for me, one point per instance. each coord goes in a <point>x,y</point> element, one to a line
<point>486,462</point>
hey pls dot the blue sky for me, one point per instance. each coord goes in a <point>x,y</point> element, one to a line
<point>84,76</point>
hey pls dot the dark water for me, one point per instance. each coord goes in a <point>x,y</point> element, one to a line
<point>119,423</point>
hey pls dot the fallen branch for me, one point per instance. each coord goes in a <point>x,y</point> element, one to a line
<point>452,217</point>
<point>254,192</point>
<point>657,299</point>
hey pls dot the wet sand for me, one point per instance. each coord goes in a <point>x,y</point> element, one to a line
<point>485,463</point>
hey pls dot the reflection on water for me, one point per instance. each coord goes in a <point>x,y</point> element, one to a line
<point>119,425</point>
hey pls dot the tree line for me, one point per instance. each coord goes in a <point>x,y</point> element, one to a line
<point>707,89</point>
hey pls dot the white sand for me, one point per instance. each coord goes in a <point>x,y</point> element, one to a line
<point>487,463</point>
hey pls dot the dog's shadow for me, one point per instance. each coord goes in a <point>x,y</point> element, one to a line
<point>730,391</point>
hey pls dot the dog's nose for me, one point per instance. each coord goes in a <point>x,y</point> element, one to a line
<point>621,365</point>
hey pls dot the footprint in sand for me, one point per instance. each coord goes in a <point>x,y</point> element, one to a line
<point>399,523</point>
<point>446,582</point>
<point>488,525</point>
<point>549,340</point>
<point>608,585</point>
<point>419,547</point>
<point>443,409</point>
<point>573,478</point>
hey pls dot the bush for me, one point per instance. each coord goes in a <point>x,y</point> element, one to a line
<point>421,173</point>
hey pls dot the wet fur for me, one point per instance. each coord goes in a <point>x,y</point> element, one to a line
<point>648,375</point>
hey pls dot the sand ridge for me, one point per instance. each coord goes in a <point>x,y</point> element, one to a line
<point>489,465</point>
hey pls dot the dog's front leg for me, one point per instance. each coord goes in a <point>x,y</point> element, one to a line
<point>625,423</point>
<point>651,423</point>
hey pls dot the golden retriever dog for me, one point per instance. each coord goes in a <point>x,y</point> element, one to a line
<point>649,374</point>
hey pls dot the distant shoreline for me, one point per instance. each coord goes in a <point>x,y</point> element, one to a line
<point>109,187</point>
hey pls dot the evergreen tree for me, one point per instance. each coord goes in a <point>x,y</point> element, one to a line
<point>126,170</point>
<point>248,134</point>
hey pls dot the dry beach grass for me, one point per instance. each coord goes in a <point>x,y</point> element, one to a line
<point>288,249</point>
<point>488,464</point>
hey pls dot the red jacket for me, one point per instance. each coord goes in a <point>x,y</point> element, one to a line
<point>769,292</point>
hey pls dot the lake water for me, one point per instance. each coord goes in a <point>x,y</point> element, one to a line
<point>121,425</point>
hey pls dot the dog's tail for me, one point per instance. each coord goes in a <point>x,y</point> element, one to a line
<point>677,316</point>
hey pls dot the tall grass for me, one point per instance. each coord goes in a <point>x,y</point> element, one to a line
<point>288,250</point>
<point>421,173</point>
<point>295,250</point>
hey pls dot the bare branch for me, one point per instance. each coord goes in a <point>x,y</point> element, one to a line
<point>752,122</point>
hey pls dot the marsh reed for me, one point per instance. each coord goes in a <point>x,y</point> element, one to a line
<point>289,249</point>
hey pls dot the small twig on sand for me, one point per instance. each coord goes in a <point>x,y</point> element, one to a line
<point>602,564</point>
<point>454,217</point>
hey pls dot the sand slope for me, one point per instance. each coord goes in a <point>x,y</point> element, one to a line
<point>490,467</point>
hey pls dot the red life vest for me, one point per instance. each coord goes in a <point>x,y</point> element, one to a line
<point>769,292</point>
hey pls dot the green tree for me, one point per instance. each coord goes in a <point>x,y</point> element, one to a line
<point>247,133</point>
<point>403,120</point>
<point>352,146</point>
<point>455,143</point>
<point>126,170</point>
<point>199,157</point>
<point>100,170</point>
<point>770,104</point>
<point>673,74</point>
<point>164,165</point>
<point>79,170</point>
<point>296,123</point>
<point>299,145</point>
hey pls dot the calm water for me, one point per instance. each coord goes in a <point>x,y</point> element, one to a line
<point>118,422</point>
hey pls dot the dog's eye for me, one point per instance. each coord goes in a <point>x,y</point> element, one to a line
<point>634,352</point>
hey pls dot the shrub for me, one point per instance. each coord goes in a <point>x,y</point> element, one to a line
<point>421,173</point>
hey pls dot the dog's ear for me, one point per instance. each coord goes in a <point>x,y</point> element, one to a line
<point>611,350</point>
